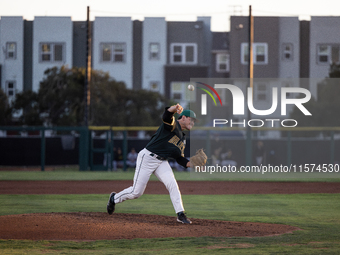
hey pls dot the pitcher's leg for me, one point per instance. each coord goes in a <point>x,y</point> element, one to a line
<point>145,166</point>
<point>164,174</point>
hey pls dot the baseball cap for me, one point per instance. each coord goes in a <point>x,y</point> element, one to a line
<point>189,113</point>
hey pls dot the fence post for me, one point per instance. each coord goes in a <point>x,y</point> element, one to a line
<point>111,149</point>
<point>207,145</point>
<point>332,147</point>
<point>42,149</point>
<point>125,149</point>
<point>84,149</point>
<point>289,148</point>
<point>249,146</point>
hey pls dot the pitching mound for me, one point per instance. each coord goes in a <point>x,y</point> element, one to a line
<point>101,226</point>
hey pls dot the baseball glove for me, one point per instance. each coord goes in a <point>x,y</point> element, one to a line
<point>199,159</point>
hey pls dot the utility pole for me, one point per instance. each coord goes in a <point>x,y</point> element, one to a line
<point>251,41</point>
<point>87,94</point>
<point>249,145</point>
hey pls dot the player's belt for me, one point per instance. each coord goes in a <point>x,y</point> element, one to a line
<point>156,156</point>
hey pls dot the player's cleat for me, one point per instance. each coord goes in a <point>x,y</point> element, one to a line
<point>111,203</point>
<point>182,218</point>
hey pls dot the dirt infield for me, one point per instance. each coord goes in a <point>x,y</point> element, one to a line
<point>101,226</point>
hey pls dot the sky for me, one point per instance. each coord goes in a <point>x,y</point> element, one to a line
<point>174,10</point>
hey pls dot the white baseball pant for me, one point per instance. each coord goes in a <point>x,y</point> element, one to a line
<point>145,166</point>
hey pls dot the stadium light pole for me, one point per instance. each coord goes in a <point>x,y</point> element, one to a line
<point>87,94</point>
<point>249,146</point>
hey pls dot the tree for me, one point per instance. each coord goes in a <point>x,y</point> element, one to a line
<point>334,71</point>
<point>326,109</point>
<point>5,109</point>
<point>60,101</point>
<point>113,104</point>
<point>28,102</point>
<point>61,96</point>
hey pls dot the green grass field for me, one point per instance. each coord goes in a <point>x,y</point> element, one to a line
<point>316,214</point>
<point>72,173</point>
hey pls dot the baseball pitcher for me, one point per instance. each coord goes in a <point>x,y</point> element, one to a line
<point>168,141</point>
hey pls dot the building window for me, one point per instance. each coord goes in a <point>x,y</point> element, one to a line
<point>106,52</point>
<point>118,52</point>
<point>183,53</point>
<point>323,53</point>
<point>113,52</point>
<point>244,53</point>
<point>52,52</point>
<point>261,91</point>
<point>328,54</point>
<point>287,51</point>
<point>287,84</point>
<point>179,91</point>
<point>223,95</point>
<point>11,50</point>
<point>260,53</point>
<point>222,62</point>
<point>154,86</point>
<point>10,90</point>
<point>154,51</point>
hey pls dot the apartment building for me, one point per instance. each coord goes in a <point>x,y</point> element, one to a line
<point>162,56</point>
<point>324,48</point>
<point>187,57</point>
<point>12,55</point>
<point>151,54</point>
<point>275,48</point>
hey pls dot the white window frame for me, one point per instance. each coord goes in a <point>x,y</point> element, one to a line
<point>52,52</point>
<point>114,52</point>
<point>328,53</point>
<point>245,49</point>
<point>108,48</point>
<point>286,51</point>
<point>323,54</point>
<point>287,84</point>
<point>220,62</point>
<point>244,53</point>
<point>8,90</point>
<point>122,52</point>
<point>9,50</point>
<point>154,51</point>
<point>182,90</point>
<point>261,89</point>
<point>182,53</point>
